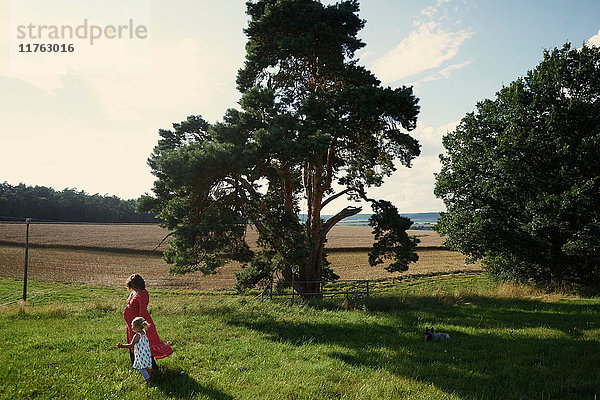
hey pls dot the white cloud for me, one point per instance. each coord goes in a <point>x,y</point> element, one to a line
<point>595,40</point>
<point>430,137</point>
<point>446,72</point>
<point>105,149</point>
<point>95,131</point>
<point>441,74</point>
<point>429,11</point>
<point>47,83</point>
<point>425,48</point>
<point>186,77</point>
<point>411,189</point>
<point>428,78</point>
<point>90,161</point>
<point>50,71</point>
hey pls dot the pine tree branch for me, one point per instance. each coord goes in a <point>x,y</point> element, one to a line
<point>335,196</point>
<point>345,213</point>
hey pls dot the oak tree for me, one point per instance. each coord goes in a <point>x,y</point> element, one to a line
<point>520,176</point>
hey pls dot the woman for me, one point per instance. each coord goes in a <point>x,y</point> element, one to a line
<point>137,306</point>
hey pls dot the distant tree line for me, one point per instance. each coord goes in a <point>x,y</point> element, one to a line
<point>70,205</point>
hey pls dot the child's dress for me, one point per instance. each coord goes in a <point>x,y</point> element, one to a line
<point>141,351</point>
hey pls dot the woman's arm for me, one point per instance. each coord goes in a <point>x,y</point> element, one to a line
<point>134,341</point>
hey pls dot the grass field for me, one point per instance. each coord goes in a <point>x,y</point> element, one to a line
<point>507,343</point>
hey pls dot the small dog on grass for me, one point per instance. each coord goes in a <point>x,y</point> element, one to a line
<point>431,336</point>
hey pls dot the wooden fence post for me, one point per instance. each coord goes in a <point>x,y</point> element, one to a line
<point>28,221</point>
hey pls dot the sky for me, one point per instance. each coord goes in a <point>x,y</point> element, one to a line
<point>89,119</point>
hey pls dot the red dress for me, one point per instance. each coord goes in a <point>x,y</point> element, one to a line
<point>137,306</point>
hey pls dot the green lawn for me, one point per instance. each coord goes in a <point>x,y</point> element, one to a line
<point>506,344</point>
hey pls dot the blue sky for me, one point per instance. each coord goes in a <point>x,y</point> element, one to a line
<point>94,128</point>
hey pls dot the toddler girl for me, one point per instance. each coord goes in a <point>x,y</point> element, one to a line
<point>141,348</point>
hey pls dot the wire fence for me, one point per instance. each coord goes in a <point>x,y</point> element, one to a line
<point>21,220</point>
<point>325,288</point>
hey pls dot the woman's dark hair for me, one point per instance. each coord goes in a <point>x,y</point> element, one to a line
<point>136,281</point>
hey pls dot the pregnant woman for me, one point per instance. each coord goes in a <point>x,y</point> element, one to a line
<point>137,306</point>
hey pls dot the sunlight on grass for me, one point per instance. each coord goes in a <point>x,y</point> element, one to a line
<point>508,344</point>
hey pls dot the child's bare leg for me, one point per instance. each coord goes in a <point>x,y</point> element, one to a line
<point>145,374</point>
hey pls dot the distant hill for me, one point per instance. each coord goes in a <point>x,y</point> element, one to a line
<point>420,220</point>
<point>428,217</point>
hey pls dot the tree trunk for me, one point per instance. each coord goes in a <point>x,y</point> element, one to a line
<point>556,260</point>
<point>317,180</point>
<point>311,272</point>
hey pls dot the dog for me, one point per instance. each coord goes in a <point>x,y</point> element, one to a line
<point>431,336</point>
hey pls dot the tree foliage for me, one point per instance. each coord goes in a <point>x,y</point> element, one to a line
<point>391,240</point>
<point>310,117</point>
<point>40,202</point>
<point>520,176</point>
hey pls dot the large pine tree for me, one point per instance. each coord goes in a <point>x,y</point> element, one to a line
<point>310,117</point>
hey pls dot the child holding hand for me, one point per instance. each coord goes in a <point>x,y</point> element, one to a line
<point>141,348</point>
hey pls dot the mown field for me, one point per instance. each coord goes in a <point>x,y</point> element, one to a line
<point>107,254</point>
<point>146,237</point>
<point>507,342</point>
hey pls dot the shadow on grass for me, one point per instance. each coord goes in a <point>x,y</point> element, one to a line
<point>500,348</point>
<point>177,384</point>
